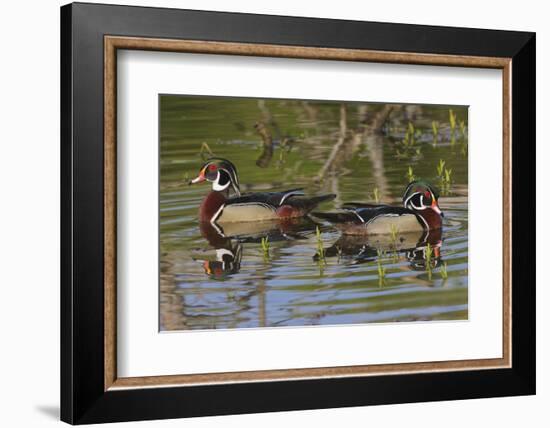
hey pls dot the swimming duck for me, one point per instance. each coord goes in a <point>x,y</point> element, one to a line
<point>420,212</point>
<point>218,207</point>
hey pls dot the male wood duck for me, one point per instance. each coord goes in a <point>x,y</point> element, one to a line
<point>420,212</point>
<point>218,207</point>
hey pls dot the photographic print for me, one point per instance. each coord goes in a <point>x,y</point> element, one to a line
<point>280,212</point>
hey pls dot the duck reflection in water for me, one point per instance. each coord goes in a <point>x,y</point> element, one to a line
<point>228,254</point>
<point>366,248</point>
<point>418,257</point>
<point>229,243</point>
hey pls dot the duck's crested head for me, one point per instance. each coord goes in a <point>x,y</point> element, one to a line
<point>222,173</point>
<point>420,195</point>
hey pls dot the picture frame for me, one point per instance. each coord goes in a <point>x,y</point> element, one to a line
<point>91,391</point>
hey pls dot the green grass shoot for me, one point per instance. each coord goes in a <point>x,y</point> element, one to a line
<point>440,168</point>
<point>381,269</point>
<point>452,119</point>
<point>429,255</point>
<point>445,176</point>
<point>410,174</point>
<point>407,140</point>
<point>376,194</point>
<point>320,248</point>
<point>265,247</point>
<point>435,132</point>
<point>448,174</point>
<point>443,271</point>
<point>462,128</point>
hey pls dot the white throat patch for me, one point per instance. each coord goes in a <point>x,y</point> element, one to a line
<point>217,186</point>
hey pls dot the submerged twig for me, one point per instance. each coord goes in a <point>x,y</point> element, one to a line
<point>206,148</point>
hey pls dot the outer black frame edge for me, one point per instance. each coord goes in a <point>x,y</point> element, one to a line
<point>299,31</point>
<point>66,368</point>
<point>524,220</point>
<point>82,397</point>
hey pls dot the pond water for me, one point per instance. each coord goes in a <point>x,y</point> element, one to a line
<point>311,274</point>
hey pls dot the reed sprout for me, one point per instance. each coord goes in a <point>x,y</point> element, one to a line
<point>265,247</point>
<point>463,150</point>
<point>443,271</point>
<point>463,129</point>
<point>321,260</point>
<point>445,176</point>
<point>435,131</point>
<point>440,168</point>
<point>407,140</point>
<point>410,134</point>
<point>381,269</point>
<point>452,120</point>
<point>448,174</point>
<point>410,174</point>
<point>320,248</point>
<point>376,194</point>
<point>429,255</point>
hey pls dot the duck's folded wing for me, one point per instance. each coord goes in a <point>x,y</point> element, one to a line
<point>365,214</point>
<point>341,217</point>
<point>245,211</point>
<point>272,199</point>
<point>356,205</point>
<point>371,213</point>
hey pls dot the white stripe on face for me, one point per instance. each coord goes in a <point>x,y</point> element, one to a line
<point>234,181</point>
<point>423,207</point>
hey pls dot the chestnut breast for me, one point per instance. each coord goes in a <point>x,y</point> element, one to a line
<point>210,205</point>
<point>432,218</point>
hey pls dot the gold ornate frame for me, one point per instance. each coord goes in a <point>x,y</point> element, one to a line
<point>114,43</point>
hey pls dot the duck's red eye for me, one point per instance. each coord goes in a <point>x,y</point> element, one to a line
<point>212,167</point>
<point>427,194</point>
